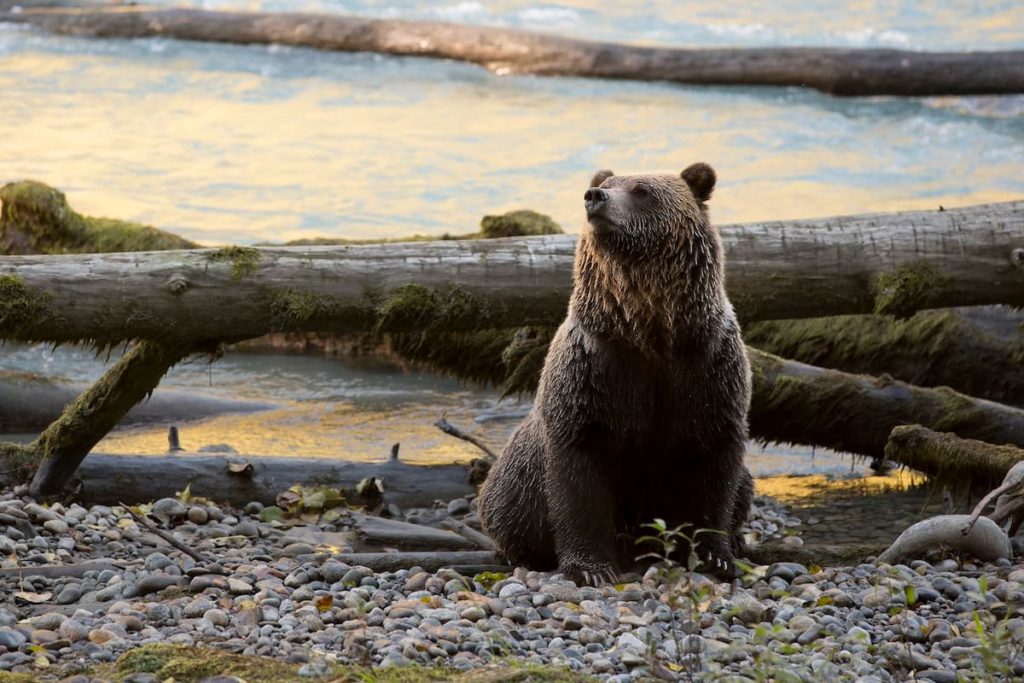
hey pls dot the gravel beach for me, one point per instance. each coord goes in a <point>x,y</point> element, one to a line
<point>269,593</point>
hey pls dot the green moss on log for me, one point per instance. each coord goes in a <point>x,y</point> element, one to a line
<point>414,308</point>
<point>36,219</point>
<point>909,288</point>
<point>950,458</point>
<point>20,306</point>
<point>243,260</point>
<point>932,348</point>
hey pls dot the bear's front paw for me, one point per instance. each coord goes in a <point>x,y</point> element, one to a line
<point>718,561</point>
<point>589,573</point>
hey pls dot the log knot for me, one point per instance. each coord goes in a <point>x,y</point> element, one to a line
<point>177,284</point>
<point>1017,258</point>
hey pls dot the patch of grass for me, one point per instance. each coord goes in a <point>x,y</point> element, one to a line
<point>186,664</point>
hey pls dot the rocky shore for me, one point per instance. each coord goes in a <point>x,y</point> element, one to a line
<point>89,594</point>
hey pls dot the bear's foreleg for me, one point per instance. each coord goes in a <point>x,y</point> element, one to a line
<point>581,505</point>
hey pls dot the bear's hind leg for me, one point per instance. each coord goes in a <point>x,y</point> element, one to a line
<point>512,506</point>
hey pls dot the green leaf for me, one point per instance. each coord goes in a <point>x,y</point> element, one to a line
<point>911,594</point>
<point>271,513</point>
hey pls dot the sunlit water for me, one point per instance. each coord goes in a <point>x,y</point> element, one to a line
<point>355,409</point>
<point>245,144</point>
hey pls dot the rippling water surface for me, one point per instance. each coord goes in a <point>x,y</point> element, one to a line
<point>243,144</point>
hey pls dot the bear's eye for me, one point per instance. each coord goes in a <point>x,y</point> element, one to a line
<point>640,190</point>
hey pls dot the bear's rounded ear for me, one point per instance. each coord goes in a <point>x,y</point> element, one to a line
<point>701,179</point>
<point>600,177</point>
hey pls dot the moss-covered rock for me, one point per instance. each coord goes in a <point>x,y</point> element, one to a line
<point>522,223</point>
<point>36,219</point>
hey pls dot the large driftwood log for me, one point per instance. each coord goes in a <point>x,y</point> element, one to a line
<point>28,403</point>
<point>952,458</point>
<point>109,479</point>
<point>887,263</point>
<point>798,403</point>
<point>977,351</point>
<point>832,70</point>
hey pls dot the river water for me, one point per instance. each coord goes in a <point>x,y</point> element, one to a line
<point>233,144</point>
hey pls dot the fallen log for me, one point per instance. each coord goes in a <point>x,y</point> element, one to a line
<point>836,71</point>
<point>377,531</point>
<point>29,402</point>
<point>938,535</point>
<point>977,351</point>
<point>108,479</point>
<point>822,555</point>
<point>798,403</point>
<point>952,458</point>
<point>885,263</point>
<point>431,562</point>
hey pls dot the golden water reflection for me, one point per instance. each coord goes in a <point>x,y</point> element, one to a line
<point>245,144</point>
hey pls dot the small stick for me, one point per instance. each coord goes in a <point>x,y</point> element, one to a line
<point>166,536</point>
<point>983,503</point>
<point>461,528</point>
<point>451,430</point>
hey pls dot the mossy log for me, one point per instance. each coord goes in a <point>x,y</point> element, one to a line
<point>952,458</point>
<point>798,403</point>
<point>29,402</point>
<point>105,479</point>
<point>837,71</point>
<point>885,263</point>
<point>977,351</point>
<point>61,448</point>
<point>36,219</point>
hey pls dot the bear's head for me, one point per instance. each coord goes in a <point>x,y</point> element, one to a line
<point>639,214</point>
<point>649,270</point>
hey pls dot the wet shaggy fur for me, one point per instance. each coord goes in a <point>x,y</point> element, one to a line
<point>642,403</point>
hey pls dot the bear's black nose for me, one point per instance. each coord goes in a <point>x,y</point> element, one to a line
<point>594,199</point>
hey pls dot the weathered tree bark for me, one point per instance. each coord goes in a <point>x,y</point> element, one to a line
<point>65,443</point>
<point>798,403</point>
<point>977,351</point>
<point>884,263</point>
<point>952,458</point>
<point>28,403</point>
<point>832,70</point>
<point>109,479</point>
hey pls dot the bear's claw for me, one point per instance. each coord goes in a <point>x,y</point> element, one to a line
<point>594,575</point>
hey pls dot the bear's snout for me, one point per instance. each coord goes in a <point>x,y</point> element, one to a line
<point>594,199</point>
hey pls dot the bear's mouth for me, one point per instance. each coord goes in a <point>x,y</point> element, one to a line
<point>600,222</point>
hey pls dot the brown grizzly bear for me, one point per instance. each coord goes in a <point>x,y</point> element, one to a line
<point>642,404</point>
